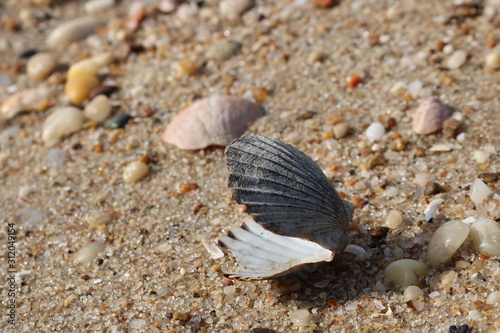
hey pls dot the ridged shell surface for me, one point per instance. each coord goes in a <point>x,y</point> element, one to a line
<point>430,116</point>
<point>287,194</point>
<point>215,120</point>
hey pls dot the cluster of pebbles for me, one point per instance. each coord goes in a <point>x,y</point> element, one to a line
<point>112,119</point>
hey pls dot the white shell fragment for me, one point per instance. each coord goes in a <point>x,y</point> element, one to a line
<point>446,241</point>
<point>26,100</point>
<point>405,272</point>
<point>431,211</point>
<point>89,252</point>
<point>412,293</point>
<point>214,250</point>
<point>485,235</point>
<point>299,216</point>
<point>61,123</point>
<point>215,120</point>
<point>430,116</point>
<point>73,30</point>
<point>300,318</point>
<point>479,191</point>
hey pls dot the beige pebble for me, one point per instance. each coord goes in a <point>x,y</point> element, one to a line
<point>340,130</point>
<point>393,219</point>
<point>61,123</point>
<point>97,218</point>
<point>457,59</point>
<point>493,298</point>
<point>485,235</point>
<point>72,31</point>
<point>98,109</point>
<point>78,89</point>
<point>135,171</point>
<point>40,66</point>
<point>89,252</point>
<point>481,156</point>
<point>405,272</point>
<point>90,66</point>
<point>492,59</point>
<point>222,50</point>
<point>186,67</point>
<point>300,317</point>
<point>164,247</point>
<point>412,293</point>
<point>443,280</point>
<point>479,191</point>
<point>314,56</point>
<point>27,100</point>
<point>445,241</point>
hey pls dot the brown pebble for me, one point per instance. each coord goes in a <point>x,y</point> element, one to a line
<point>489,177</point>
<point>182,316</point>
<point>380,232</point>
<point>376,160</point>
<point>433,188</point>
<point>85,277</point>
<point>419,151</point>
<point>450,127</point>
<point>398,145</point>
<point>260,94</point>
<point>103,90</point>
<point>78,89</point>
<point>390,123</point>
<point>187,67</point>
<point>323,3</point>
<point>354,81</point>
<point>146,159</point>
<point>359,202</point>
<point>189,187</point>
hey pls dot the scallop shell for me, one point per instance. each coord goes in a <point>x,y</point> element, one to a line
<point>215,120</point>
<point>430,116</point>
<point>300,217</point>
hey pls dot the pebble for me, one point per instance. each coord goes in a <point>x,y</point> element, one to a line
<point>323,3</point>
<point>98,109</point>
<point>55,158</point>
<point>340,130</point>
<point>72,31</point>
<point>165,247</point>
<point>97,218</point>
<point>118,121</point>
<point>481,156</point>
<point>431,211</point>
<point>300,317</point>
<point>90,66</point>
<point>492,59</point>
<point>27,100</point>
<point>375,131</point>
<point>61,123</point>
<point>422,178</point>
<point>262,330</point>
<point>169,6</point>
<point>222,50</point>
<point>97,6</point>
<point>443,280</point>
<point>103,90</point>
<point>233,9</point>
<point>479,191</point>
<point>40,66</point>
<point>414,88</point>
<point>412,293</point>
<point>187,67</point>
<point>77,90</point>
<point>485,235</point>
<point>457,59</point>
<point>405,272</point>
<point>89,252</point>
<point>430,116</point>
<point>493,298</point>
<point>135,171</point>
<point>393,220</point>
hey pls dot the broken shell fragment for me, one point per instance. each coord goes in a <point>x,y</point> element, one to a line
<point>430,116</point>
<point>27,100</point>
<point>405,272</point>
<point>485,235</point>
<point>299,217</point>
<point>215,120</point>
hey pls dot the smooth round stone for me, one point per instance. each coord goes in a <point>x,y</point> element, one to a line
<point>233,9</point>
<point>493,298</point>
<point>90,66</point>
<point>492,59</point>
<point>485,235</point>
<point>98,109</point>
<point>135,171</point>
<point>340,130</point>
<point>222,50</point>
<point>300,318</point>
<point>74,30</point>
<point>89,252</point>
<point>412,293</point>
<point>78,89</point>
<point>457,59</point>
<point>97,218</point>
<point>481,156</point>
<point>445,241</point>
<point>40,66</point>
<point>96,6</point>
<point>393,219</point>
<point>479,191</point>
<point>61,123</point>
<point>375,131</point>
<point>405,272</point>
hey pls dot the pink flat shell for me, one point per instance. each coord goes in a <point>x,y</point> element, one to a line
<point>212,121</point>
<point>430,116</point>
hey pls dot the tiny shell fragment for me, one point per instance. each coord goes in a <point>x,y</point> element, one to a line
<point>479,191</point>
<point>405,272</point>
<point>485,235</point>
<point>300,317</point>
<point>412,293</point>
<point>73,30</point>
<point>135,171</point>
<point>430,116</point>
<point>61,123</point>
<point>26,100</point>
<point>89,252</point>
<point>393,219</point>
<point>445,241</point>
<point>215,120</point>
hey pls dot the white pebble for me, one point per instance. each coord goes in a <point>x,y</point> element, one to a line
<point>98,109</point>
<point>493,298</point>
<point>340,130</point>
<point>89,252</point>
<point>431,211</point>
<point>96,6</point>
<point>73,30</point>
<point>61,123</point>
<point>301,317</point>
<point>164,247</point>
<point>414,88</point>
<point>485,235</point>
<point>492,59</point>
<point>457,59</point>
<point>391,191</point>
<point>375,131</point>
<point>393,219</point>
<point>96,218</point>
<point>443,280</point>
<point>445,241</point>
<point>405,272</point>
<point>412,293</point>
<point>481,156</point>
<point>398,88</point>
<point>230,292</point>
<point>233,9</point>
<point>475,315</point>
<point>479,191</point>
<point>422,178</point>
<point>137,324</point>
<point>214,250</point>
<point>40,66</point>
<point>26,100</point>
<point>135,171</point>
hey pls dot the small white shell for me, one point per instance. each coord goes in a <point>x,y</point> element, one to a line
<point>431,211</point>
<point>430,116</point>
<point>301,219</point>
<point>215,120</point>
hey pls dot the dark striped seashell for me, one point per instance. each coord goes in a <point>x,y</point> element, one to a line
<point>299,217</point>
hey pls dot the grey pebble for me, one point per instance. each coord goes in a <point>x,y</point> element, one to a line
<point>118,121</point>
<point>223,50</point>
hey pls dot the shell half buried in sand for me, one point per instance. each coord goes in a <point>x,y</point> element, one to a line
<point>299,217</point>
